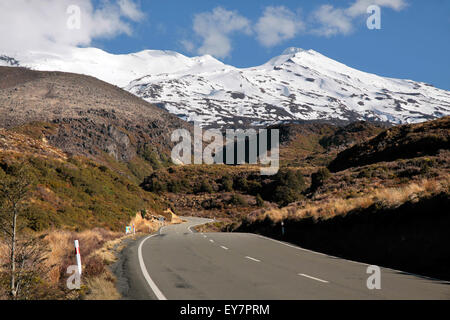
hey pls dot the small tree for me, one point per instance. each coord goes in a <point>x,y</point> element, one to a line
<point>288,186</point>
<point>24,252</point>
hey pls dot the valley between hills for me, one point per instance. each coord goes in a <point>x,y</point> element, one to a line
<point>97,158</point>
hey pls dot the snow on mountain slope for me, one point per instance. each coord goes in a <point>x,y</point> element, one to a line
<point>115,69</point>
<point>297,85</point>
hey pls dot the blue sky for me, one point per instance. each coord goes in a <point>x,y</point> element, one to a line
<point>413,43</point>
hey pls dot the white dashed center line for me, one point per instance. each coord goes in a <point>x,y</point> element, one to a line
<point>211,240</point>
<point>313,278</point>
<point>224,248</point>
<point>253,259</point>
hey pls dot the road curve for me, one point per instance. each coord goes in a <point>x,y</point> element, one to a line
<point>180,264</point>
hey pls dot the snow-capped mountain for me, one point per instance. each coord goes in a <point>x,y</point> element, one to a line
<point>119,70</point>
<point>297,85</point>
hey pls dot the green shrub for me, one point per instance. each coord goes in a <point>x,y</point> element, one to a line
<point>259,200</point>
<point>227,183</point>
<point>205,187</point>
<point>284,195</point>
<point>292,179</point>
<point>241,183</point>
<point>254,187</point>
<point>319,178</point>
<point>237,200</point>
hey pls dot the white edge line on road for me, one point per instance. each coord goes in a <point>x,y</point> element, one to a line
<point>250,258</point>
<point>315,252</point>
<point>159,295</point>
<point>313,278</point>
<point>224,248</point>
<point>351,261</point>
<point>297,247</point>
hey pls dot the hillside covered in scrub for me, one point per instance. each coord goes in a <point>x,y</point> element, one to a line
<point>72,192</point>
<point>59,197</point>
<point>317,143</point>
<point>402,142</point>
<point>84,116</point>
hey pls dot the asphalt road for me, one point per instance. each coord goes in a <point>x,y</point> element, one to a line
<point>179,264</point>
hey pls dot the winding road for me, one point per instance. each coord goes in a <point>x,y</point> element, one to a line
<point>180,264</point>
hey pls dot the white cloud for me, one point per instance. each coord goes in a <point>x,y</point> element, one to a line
<point>42,24</point>
<point>130,10</point>
<point>359,7</point>
<point>276,25</point>
<point>334,21</point>
<point>188,45</point>
<point>215,29</point>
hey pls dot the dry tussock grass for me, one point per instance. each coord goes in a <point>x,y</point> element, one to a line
<point>106,253</point>
<point>61,245</point>
<point>338,206</point>
<point>97,248</point>
<point>144,225</point>
<point>102,288</point>
<point>174,218</point>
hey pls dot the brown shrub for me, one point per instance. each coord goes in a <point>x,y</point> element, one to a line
<point>93,266</point>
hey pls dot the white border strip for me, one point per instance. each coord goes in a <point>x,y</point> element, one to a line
<point>159,295</point>
<point>351,261</point>
<point>250,258</point>
<point>313,278</point>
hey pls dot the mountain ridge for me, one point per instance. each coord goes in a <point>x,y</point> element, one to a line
<point>297,85</point>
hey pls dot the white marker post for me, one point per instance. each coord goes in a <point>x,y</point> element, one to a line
<point>78,255</point>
